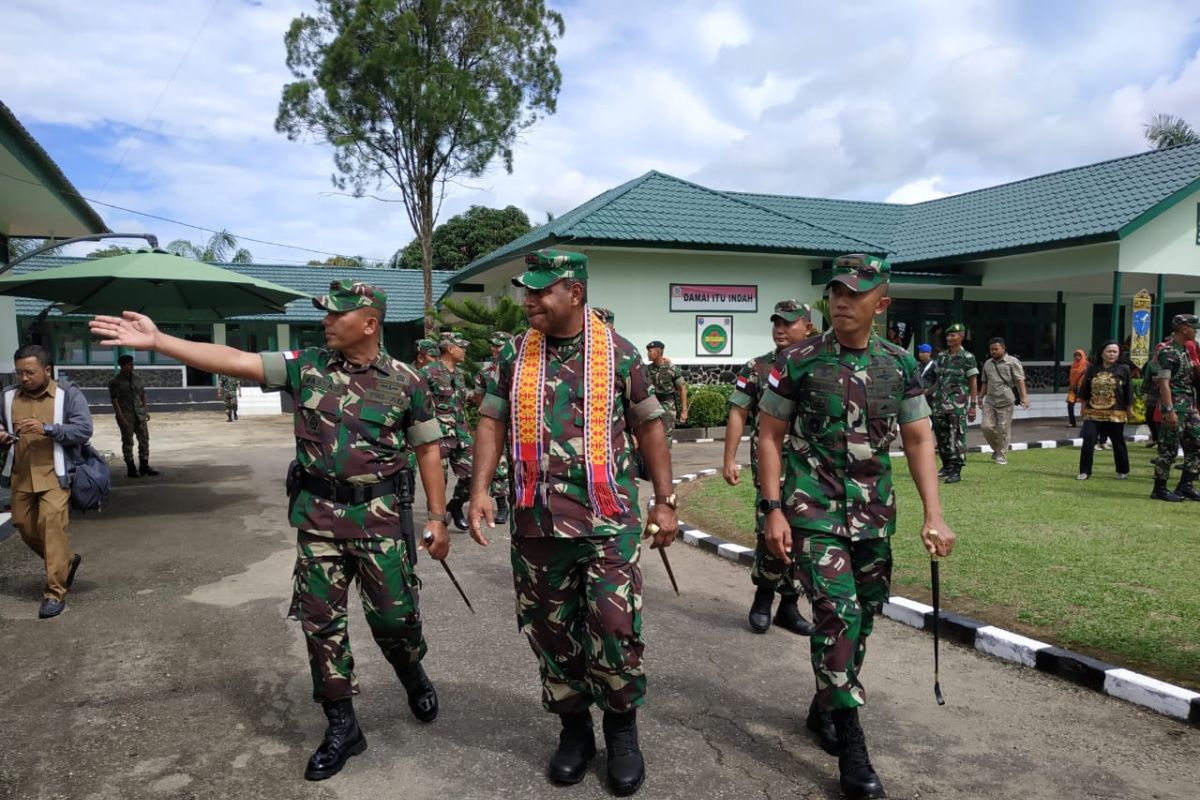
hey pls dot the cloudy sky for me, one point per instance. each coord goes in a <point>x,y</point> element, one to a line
<point>169,108</point>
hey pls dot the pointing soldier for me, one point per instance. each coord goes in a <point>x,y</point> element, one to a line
<point>791,323</point>
<point>568,393</point>
<point>839,399</point>
<point>666,381</point>
<point>358,411</point>
<point>953,398</point>
<point>448,388</point>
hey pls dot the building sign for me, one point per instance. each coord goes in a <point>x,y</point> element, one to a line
<point>714,336</point>
<point>713,297</point>
<point>1139,341</point>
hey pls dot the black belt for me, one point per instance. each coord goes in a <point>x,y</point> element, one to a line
<point>347,493</point>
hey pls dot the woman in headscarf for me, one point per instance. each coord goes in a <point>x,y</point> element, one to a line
<point>1107,396</point>
<point>1079,368</point>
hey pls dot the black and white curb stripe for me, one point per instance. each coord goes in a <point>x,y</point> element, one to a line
<point>1041,444</point>
<point>1165,698</point>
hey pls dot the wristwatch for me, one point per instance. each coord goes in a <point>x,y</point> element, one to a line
<point>767,506</point>
<point>443,518</point>
<point>667,500</point>
<point>47,429</point>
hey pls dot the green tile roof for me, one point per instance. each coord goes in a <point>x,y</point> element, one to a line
<point>1097,202</point>
<point>404,287</point>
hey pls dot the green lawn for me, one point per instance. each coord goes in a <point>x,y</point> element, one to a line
<point>1092,566</point>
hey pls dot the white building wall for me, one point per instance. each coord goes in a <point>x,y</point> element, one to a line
<point>9,334</point>
<point>1167,243</point>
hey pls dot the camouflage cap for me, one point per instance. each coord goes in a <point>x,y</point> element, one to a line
<point>454,338</point>
<point>500,338</point>
<point>861,273</point>
<point>605,314</point>
<point>1185,319</point>
<point>546,267</point>
<point>348,295</point>
<point>428,346</point>
<point>790,311</point>
<point>956,327</point>
<point>656,343</point>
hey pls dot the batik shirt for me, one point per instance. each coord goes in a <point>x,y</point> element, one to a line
<point>354,424</point>
<point>843,408</point>
<point>561,504</point>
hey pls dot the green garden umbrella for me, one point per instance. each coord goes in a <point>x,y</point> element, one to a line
<point>154,283</point>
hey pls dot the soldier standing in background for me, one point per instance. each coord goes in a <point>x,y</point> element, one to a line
<point>791,323</point>
<point>358,411</point>
<point>1180,423</point>
<point>127,391</point>
<point>427,353</point>
<point>953,400</point>
<point>500,483</point>
<point>839,400</point>
<point>229,389</point>
<point>569,392</point>
<point>448,388</point>
<point>666,380</point>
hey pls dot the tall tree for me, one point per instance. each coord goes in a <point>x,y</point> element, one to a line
<point>1165,130</point>
<point>20,246</point>
<point>221,248</point>
<point>465,237</point>
<point>110,251</point>
<point>340,261</point>
<point>416,93</point>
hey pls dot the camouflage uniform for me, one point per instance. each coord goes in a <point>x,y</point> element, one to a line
<point>843,408</point>
<point>127,392</point>
<point>576,574</point>
<point>448,388</point>
<point>354,425</point>
<point>948,400</point>
<point>665,380</point>
<point>229,392</point>
<point>501,485</point>
<point>769,571</point>
<point>1173,361</point>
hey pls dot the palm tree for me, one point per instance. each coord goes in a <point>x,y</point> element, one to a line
<point>1165,130</point>
<point>221,247</point>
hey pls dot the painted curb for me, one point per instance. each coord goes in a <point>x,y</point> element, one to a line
<point>1091,673</point>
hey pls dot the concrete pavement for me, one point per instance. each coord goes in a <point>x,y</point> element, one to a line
<point>174,673</point>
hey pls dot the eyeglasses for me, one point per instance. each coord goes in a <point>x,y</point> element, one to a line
<point>30,373</point>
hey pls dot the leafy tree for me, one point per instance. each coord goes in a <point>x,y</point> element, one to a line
<point>477,323</point>
<point>221,248</point>
<point>340,261</point>
<point>416,93</point>
<point>1165,130</point>
<point>110,251</point>
<point>18,247</point>
<point>465,237</point>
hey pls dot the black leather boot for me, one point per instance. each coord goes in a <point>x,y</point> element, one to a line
<point>235,416</point>
<point>821,723</point>
<point>626,768</point>
<point>953,475</point>
<point>343,738</point>
<point>146,469</point>
<point>131,470</point>
<point>576,747</point>
<point>422,698</point>
<point>858,778</point>
<point>229,416</point>
<point>760,610</point>
<point>455,509</point>
<point>1185,489</point>
<point>789,618</point>
<point>1161,492</point>
<point>501,510</point>
<point>944,471</point>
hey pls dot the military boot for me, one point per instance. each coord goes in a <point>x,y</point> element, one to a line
<point>1185,489</point>
<point>858,778</point>
<point>576,747</point>
<point>953,475</point>
<point>146,469</point>
<point>501,510</point>
<point>422,698</point>
<point>1161,492</point>
<point>789,617</point>
<point>343,738</point>
<point>229,416</point>
<point>626,768</point>
<point>760,610</point>
<point>235,416</point>
<point>944,471</point>
<point>131,470</point>
<point>455,509</point>
<point>821,723</point>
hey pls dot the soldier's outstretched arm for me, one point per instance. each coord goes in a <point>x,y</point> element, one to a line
<point>139,332</point>
<point>429,463</point>
<point>918,449</point>
<point>776,531</point>
<point>652,443</point>
<point>489,439</point>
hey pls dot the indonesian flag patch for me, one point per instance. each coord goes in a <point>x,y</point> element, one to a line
<point>774,377</point>
<point>290,355</point>
<point>740,382</point>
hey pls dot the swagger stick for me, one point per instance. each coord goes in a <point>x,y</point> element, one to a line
<point>427,538</point>
<point>935,579</point>
<point>652,529</point>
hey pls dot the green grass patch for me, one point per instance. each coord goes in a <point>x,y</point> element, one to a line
<point>1094,566</point>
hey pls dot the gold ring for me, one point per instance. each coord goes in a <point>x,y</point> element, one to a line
<point>653,529</point>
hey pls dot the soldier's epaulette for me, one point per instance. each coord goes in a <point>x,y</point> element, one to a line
<point>893,349</point>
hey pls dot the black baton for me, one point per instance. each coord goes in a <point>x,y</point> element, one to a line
<point>428,538</point>
<point>936,580</point>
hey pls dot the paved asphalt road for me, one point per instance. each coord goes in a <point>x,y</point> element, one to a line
<point>174,673</point>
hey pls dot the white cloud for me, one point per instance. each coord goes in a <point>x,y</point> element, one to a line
<point>917,191</point>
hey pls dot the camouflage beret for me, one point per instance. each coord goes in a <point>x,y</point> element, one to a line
<point>860,273</point>
<point>454,338</point>
<point>428,346</point>
<point>547,266</point>
<point>500,338</point>
<point>956,327</point>
<point>348,295</point>
<point>790,311</point>
<point>1185,319</point>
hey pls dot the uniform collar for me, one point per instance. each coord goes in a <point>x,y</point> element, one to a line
<point>382,362</point>
<point>49,390</point>
<point>832,345</point>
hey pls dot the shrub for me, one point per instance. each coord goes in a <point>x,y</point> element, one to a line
<point>707,409</point>
<point>1137,414</point>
